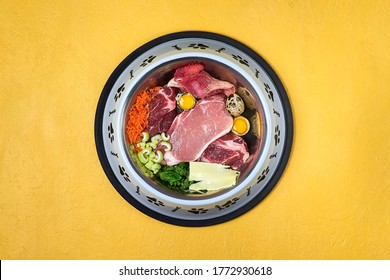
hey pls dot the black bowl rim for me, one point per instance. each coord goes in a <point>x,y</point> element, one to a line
<point>208,221</point>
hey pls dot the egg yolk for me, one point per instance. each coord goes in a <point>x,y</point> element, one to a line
<point>240,126</point>
<point>186,101</point>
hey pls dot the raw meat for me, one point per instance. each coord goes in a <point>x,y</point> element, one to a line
<point>162,110</point>
<point>193,79</point>
<point>229,149</point>
<point>192,131</point>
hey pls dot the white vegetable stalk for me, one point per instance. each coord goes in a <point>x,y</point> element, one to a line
<point>211,176</point>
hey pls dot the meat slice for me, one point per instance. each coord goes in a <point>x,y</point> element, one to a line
<point>229,149</point>
<point>162,110</point>
<point>193,79</point>
<point>192,131</point>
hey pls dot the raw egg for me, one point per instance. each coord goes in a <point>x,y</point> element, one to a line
<point>186,101</point>
<point>235,105</point>
<point>240,126</point>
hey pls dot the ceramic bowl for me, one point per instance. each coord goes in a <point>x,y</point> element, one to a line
<point>268,110</point>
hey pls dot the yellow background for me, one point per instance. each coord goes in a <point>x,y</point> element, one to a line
<point>333,201</point>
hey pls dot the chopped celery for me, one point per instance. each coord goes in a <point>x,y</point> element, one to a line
<point>149,165</point>
<point>152,155</point>
<point>155,167</point>
<point>143,155</point>
<point>151,145</point>
<point>156,138</point>
<point>158,157</point>
<point>149,158</point>
<point>165,137</point>
<point>141,145</point>
<point>145,136</point>
<point>167,145</point>
<point>146,171</point>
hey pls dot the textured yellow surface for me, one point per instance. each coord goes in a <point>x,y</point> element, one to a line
<point>333,201</point>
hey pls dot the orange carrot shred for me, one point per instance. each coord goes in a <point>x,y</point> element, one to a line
<point>138,115</point>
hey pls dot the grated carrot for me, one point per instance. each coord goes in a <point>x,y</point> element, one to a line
<point>138,115</point>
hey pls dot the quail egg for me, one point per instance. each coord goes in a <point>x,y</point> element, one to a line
<point>235,105</point>
<point>241,126</point>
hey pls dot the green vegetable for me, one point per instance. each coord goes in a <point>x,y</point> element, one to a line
<point>151,145</point>
<point>156,138</point>
<point>149,165</point>
<point>170,176</point>
<point>145,136</point>
<point>174,177</point>
<point>211,176</point>
<point>158,157</point>
<point>167,145</point>
<point>149,158</point>
<point>134,156</point>
<point>141,145</point>
<point>152,155</point>
<point>155,168</point>
<point>143,155</point>
<point>165,137</point>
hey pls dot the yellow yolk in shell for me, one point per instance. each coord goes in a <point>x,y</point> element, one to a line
<point>240,126</point>
<point>186,101</point>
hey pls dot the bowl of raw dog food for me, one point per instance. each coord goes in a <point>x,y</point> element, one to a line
<point>193,128</point>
